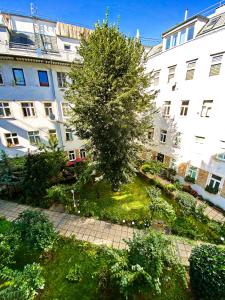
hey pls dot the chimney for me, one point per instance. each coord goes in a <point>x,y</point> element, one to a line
<point>186,14</point>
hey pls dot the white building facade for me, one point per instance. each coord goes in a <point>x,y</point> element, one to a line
<point>189,130</point>
<point>35,56</point>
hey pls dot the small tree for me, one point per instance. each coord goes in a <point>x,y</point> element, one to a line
<point>35,230</point>
<point>111,105</point>
<point>207,272</point>
<point>22,285</point>
<point>145,266</point>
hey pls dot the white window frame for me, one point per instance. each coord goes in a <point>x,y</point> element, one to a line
<point>34,137</point>
<point>52,132</point>
<point>191,65</point>
<point>4,106</point>
<point>163,136</point>
<point>61,79</point>
<point>216,61</point>
<point>171,72</point>
<point>184,108</point>
<point>221,155</point>
<point>200,140</point>
<point>13,137</point>
<point>48,109</point>
<point>177,140</point>
<point>66,109</point>
<point>156,77</point>
<point>206,108</point>
<point>210,178</point>
<point>192,171</point>
<point>166,108</point>
<point>69,135</point>
<point>72,155</point>
<point>82,153</point>
<point>29,109</point>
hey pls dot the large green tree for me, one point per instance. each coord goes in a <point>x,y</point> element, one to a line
<point>111,107</point>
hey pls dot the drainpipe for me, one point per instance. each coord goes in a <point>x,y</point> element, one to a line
<point>57,124</point>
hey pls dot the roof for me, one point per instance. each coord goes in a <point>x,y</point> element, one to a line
<point>196,17</point>
<point>213,23</point>
<point>155,50</point>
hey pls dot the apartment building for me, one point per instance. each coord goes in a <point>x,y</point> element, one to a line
<point>189,130</point>
<point>35,57</point>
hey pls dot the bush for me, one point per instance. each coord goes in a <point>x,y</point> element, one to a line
<point>184,226</point>
<point>145,266</point>
<point>190,179</point>
<point>207,272</point>
<point>9,243</point>
<point>22,285</point>
<point>162,210</point>
<point>153,192</point>
<point>170,187</point>
<point>211,190</point>
<point>57,194</point>
<point>187,203</point>
<point>35,230</point>
<point>74,274</point>
<point>153,167</point>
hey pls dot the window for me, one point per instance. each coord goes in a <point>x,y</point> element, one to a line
<point>72,155</point>
<point>192,172</point>
<point>1,79</point>
<point>48,109</point>
<point>28,109</point>
<point>151,134</point>
<point>11,139</point>
<point>211,24</point>
<point>4,109</point>
<point>190,70</point>
<point>82,153</point>
<point>52,133</point>
<point>184,108</point>
<point>34,137</point>
<point>19,77</point>
<point>61,77</point>
<point>177,140</point>
<point>168,42</point>
<point>190,34</point>
<point>174,39</point>
<point>166,108</point>
<point>171,73</point>
<point>66,47</point>
<point>215,182</point>
<point>69,135</point>
<point>48,46</point>
<point>160,157</point>
<point>182,36</point>
<point>199,139</point>
<point>156,78</point>
<point>163,134</point>
<point>206,108</point>
<point>216,65</point>
<point>221,155</point>
<point>66,109</point>
<point>43,78</point>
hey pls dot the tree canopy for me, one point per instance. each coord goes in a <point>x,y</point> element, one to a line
<point>111,107</point>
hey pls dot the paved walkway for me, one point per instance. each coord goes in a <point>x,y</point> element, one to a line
<point>89,229</point>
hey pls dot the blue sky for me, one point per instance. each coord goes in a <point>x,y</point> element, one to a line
<point>150,17</point>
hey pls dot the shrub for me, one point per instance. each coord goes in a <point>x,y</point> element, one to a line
<point>153,167</point>
<point>187,203</point>
<point>178,185</point>
<point>170,187</point>
<point>35,230</point>
<point>22,285</point>
<point>9,243</point>
<point>145,266</point>
<point>57,193</point>
<point>162,210</point>
<point>190,179</point>
<point>184,226</point>
<point>74,274</point>
<point>153,192</point>
<point>211,190</point>
<point>207,272</point>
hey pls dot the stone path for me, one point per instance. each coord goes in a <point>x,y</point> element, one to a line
<point>89,229</point>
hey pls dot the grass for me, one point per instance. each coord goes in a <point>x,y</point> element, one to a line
<point>90,260</point>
